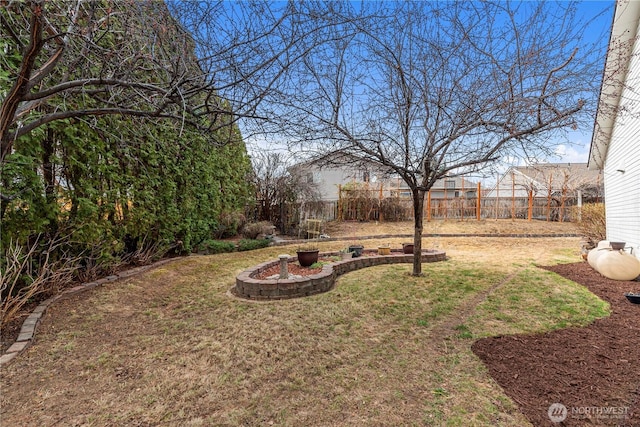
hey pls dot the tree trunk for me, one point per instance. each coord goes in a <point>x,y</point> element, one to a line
<point>48,168</point>
<point>20,88</point>
<point>418,215</point>
<point>49,177</point>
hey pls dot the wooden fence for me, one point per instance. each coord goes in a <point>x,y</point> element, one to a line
<point>387,205</point>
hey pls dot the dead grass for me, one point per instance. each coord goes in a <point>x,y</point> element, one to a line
<point>170,347</point>
<point>469,226</point>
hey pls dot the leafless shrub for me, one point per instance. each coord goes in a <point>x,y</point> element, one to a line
<point>229,224</point>
<point>392,209</point>
<point>255,229</point>
<point>28,272</point>
<point>147,252</point>
<point>590,220</point>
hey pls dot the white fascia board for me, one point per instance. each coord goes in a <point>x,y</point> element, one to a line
<point>621,45</point>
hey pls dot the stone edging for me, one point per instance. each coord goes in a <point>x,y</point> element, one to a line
<point>426,235</point>
<point>29,326</point>
<point>248,287</point>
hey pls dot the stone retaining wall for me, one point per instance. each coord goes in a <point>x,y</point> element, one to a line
<point>249,287</point>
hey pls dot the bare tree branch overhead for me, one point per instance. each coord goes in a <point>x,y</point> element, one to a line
<point>425,89</point>
<point>429,89</point>
<point>205,64</point>
<point>72,59</point>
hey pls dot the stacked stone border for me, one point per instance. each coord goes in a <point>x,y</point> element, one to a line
<point>29,326</point>
<point>283,242</point>
<point>248,286</point>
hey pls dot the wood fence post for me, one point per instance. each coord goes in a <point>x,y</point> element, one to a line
<point>513,195</point>
<point>549,194</point>
<point>446,202</point>
<point>530,213</point>
<point>339,202</point>
<point>564,197</point>
<point>429,206</point>
<point>478,203</point>
<point>497,194</point>
<point>380,216</point>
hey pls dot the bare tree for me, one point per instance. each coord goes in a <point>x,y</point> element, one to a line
<point>80,59</point>
<point>272,185</point>
<point>277,185</point>
<point>204,64</point>
<point>430,90</point>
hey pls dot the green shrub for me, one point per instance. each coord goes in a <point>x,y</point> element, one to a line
<point>590,220</point>
<point>251,244</point>
<point>216,247</point>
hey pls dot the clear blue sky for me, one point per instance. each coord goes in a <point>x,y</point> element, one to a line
<point>599,16</point>
<point>602,14</point>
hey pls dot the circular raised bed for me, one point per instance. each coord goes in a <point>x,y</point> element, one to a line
<point>249,286</point>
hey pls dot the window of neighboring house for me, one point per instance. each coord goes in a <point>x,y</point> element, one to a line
<point>365,175</point>
<point>450,184</point>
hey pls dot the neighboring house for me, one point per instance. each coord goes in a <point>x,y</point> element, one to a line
<point>445,188</point>
<point>329,178</point>
<point>559,181</point>
<point>615,146</point>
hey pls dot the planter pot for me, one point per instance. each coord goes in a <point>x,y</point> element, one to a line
<point>384,250</point>
<point>616,246</point>
<point>407,248</point>
<point>306,258</point>
<point>634,298</point>
<point>356,249</point>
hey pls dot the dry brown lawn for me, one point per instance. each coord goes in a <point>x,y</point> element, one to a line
<point>172,347</point>
<point>469,226</point>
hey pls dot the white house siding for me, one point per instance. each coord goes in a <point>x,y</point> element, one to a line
<point>622,189</point>
<point>327,181</point>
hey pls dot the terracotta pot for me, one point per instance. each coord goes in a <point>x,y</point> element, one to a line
<point>306,258</point>
<point>384,250</point>
<point>407,248</point>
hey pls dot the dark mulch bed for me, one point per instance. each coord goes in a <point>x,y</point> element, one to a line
<point>294,269</point>
<point>591,370</point>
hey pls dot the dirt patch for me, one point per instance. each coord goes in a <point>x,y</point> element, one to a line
<point>592,371</point>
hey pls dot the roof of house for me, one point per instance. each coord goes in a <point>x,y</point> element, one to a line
<point>558,174</point>
<point>339,160</point>
<point>623,35</point>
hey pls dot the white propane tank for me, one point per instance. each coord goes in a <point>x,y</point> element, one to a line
<point>618,265</point>
<point>594,254</point>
